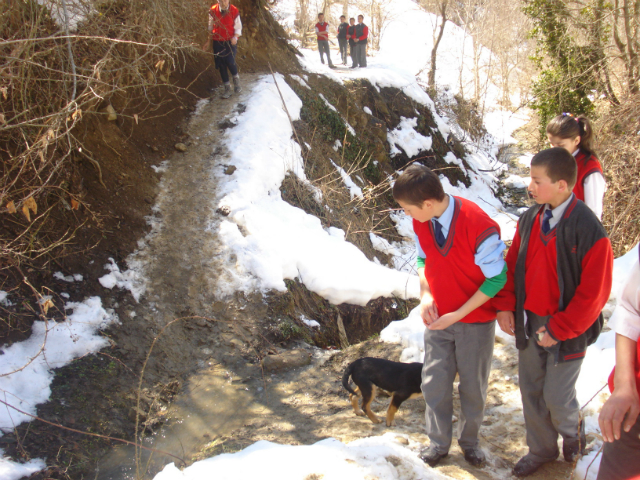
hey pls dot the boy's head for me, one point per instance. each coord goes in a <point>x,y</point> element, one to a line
<point>553,175</point>
<point>360,18</point>
<point>342,18</point>
<point>352,21</point>
<point>417,190</point>
<point>321,17</point>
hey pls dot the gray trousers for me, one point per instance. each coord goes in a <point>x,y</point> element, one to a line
<point>361,54</point>
<point>466,349</point>
<point>549,398</point>
<point>621,459</point>
<point>323,48</point>
<point>342,42</point>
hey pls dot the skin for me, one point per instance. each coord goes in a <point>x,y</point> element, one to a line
<point>543,190</point>
<point>428,308</point>
<point>569,144</point>
<point>224,5</point>
<point>324,35</point>
<point>623,406</point>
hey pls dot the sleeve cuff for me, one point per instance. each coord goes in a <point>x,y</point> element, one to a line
<point>420,262</point>
<point>491,286</point>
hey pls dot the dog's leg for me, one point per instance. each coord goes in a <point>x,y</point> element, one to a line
<point>391,411</point>
<point>354,402</point>
<point>366,404</point>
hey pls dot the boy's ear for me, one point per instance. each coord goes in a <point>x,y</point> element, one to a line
<point>563,185</point>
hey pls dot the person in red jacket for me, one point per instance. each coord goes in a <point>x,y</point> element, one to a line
<point>360,39</point>
<point>559,279</point>
<point>351,35</point>
<point>575,135</point>
<point>619,421</point>
<point>461,267</point>
<point>224,29</point>
<point>322,33</point>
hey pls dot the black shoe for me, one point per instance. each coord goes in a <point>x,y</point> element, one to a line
<point>474,456</point>
<point>526,466</point>
<point>331,65</point>
<point>572,448</point>
<point>430,456</point>
<point>353,66</point>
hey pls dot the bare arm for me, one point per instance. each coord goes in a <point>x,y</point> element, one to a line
<point>477,299</point>
<point>428,308</point>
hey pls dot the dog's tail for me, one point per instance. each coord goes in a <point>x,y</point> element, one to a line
<point>345,379</point>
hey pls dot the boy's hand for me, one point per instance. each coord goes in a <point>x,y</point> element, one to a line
<point>507,322</point>
<point>428,309</point>
<point>445,321</point>
<point>547,340</point>
<point>623,401</point>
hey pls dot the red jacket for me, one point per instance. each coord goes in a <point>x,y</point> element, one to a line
<point>223,24</point>
<point>587,164</point>
<point>450,270</point>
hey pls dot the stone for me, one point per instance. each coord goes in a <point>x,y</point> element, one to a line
<point>112,116</point>
<point>181,147</point>
<point>230,169</point>
<point>223,210</point>
<point>286,360</point>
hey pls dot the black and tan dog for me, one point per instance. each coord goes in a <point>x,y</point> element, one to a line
<point>401,380</point>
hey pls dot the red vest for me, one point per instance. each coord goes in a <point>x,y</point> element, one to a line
<point>450,270</point>
<point>223,24</point>
<point>587,164</point>
<point>323,28</point>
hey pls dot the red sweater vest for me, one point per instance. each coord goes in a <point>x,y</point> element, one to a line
<point>587,164</point>
<point>323,31</point>
<point>541,273</point>
<point>450,270</point>
<point>223,24</point>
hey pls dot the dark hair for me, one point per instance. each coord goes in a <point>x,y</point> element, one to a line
<point>352,19</point>
<point>321,13</point>
<point>558,163</point>
<point>361,16</point>
<point>568,126</point>
<point>342,16</point>
<point>417,184</point>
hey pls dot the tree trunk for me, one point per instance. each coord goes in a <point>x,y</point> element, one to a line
<point>434,50</point>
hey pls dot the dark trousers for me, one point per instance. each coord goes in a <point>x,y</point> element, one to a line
<point>342,42</point>
<point>323,48</point>
<point>225,58</point>
<point>621,459</point>
<point>548,391</point>
<point>352,52</point>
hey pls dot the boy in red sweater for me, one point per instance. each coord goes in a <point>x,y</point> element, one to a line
<point>559,280</point>
<point>461,267</point>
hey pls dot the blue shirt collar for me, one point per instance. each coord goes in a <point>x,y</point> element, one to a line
<point>447,216</point>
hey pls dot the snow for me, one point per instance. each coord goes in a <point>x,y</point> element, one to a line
<point>76,277</point>
<point>354,190</point>
<point>26,371</point>
<point>308,322</point>
<point>269,240</point>
<point>515,181</point>
<point>4,299</point>
<point>380,457</point>
<point>406,137</point>
<point>14,471</point>
<point>300,81</point>
<point>131,279</point>
<point>367,110</point>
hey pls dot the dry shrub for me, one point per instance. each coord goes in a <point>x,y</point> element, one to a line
<point>620,155</point>
<point>50,78</point>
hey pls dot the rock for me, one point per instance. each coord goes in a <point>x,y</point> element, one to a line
<point>286,360</point>
<point>148,200</point>
<point>112,116</point>
<point>181,147</point>
<point>230,169</point>
<point>402,440</point>
<point>223,210</point>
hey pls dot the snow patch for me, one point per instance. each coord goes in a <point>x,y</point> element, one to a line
<point>130,280</point>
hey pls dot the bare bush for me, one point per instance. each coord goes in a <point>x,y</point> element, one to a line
<point>50,78</point>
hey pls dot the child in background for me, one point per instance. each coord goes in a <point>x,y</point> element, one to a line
<point>559,279</point>
<point>575,135</point>
<point>461,268</point>
<point>618,420</point>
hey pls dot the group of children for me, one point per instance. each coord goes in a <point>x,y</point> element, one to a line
<point>549,293</point>
<point>351,34</point>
